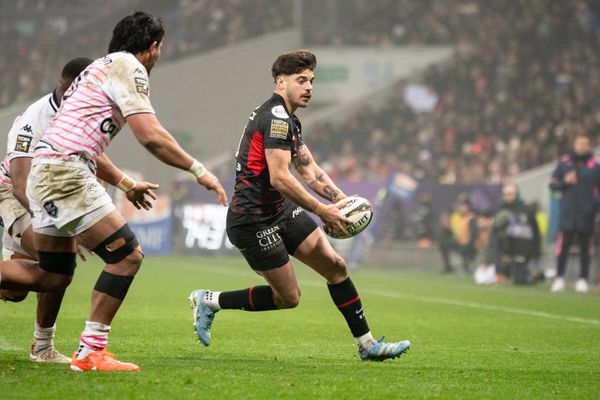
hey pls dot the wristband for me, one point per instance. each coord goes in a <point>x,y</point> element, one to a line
<point>197,169</point>
<point>126,183</point>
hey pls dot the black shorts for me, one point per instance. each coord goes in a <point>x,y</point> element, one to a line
<point>267,242</point>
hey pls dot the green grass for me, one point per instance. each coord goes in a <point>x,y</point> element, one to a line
<point>468,341</point>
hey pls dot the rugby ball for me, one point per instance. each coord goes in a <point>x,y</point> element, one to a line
<point>359,211</point>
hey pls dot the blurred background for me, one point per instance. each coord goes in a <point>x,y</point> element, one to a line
<point>421,106</point>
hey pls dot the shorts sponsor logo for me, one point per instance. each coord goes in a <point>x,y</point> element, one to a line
<point>279,129</point>
<point>279,112</point>
<point>141,85</point>
<point>51,209</point>
<point>23,143</point>
<point>297,212</point>
<point>93,194</point>
<point>269,238</point>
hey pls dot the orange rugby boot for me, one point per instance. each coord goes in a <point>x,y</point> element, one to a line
<point>101,360</point>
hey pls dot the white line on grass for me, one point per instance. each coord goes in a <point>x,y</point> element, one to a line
<point>442,300</point>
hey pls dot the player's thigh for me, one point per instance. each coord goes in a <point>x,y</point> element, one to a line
<point>101,230</point>
<point>53,244</point>
<point>316,252</point>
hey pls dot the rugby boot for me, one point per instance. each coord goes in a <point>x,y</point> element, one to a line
<point>202,314</point>
<point>382,351</point>
<point>101,360</point>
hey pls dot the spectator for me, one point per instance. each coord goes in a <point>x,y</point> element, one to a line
<point>516,239</point>
<point>464,239</point>
<point>577,178</point>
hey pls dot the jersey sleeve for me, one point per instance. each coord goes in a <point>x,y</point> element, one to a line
<point>277,134</point>
<point>129,88</point>
<point>21,137</point>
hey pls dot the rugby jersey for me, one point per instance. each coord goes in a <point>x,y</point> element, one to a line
<point>94,108</point>
<point>26,131</point>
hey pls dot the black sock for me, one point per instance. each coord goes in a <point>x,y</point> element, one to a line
<point>256,298</point>
<point>347,300</point>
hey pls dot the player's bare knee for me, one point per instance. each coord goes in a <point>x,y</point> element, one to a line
<point>56,282</point>
<point>290,299</point>
<point>338,271</point>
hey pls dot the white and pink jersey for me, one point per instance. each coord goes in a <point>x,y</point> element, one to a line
<point>26,131</point>
<point>94,108</point>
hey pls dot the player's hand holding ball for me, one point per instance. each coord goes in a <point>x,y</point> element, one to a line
<point>356,213</point>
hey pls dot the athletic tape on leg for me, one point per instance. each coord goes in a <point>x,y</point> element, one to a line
<point>58,263</point>
<point>113,285</point>
<point>117,246</point>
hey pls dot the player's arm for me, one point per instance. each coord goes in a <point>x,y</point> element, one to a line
<point>19,170</point>
<point>278,161</point>
<point>135,192</point>
<point>148,130</point>
<point>315,177</point>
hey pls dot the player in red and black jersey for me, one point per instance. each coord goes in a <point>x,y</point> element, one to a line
<point>267,218</point>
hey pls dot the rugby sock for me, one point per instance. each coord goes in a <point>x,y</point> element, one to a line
<point>256,298</point>
<point>93,338</point>
<point>42,338</point>
<point>347,300</point>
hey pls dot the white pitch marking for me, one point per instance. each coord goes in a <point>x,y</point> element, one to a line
<point>441,300</point>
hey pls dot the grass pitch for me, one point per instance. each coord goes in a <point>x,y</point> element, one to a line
<point>468,341</point>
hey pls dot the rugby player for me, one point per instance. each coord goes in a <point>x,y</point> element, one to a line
<point>65,198</point>
<point>268,221</point>
<point>26,131</point>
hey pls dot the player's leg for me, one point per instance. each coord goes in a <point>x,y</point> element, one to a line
<point>26,274</point>
<point>112,240</point>
<point>585,249</point>
<point>315,251</point>
<point>264,250</point>
<point>563,245</point>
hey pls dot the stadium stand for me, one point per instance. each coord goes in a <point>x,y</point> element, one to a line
<point>33,33</point>
<point>522,83</point>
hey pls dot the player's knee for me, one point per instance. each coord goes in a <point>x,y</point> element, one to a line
<point>55,282</point>
<point>339,270</point>
<point>290,299</point>
<point>122,249</point>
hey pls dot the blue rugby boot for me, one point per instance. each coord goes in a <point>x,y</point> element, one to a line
<point>382,351</point>
<point>202,314</point>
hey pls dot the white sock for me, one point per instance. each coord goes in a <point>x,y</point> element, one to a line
<point>93,338</point>
<point>211,299</point>
<point>365,342</point>
<point>42,337</point>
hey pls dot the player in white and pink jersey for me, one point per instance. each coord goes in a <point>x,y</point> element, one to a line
<point>65,198</point>
<point>26,131</point>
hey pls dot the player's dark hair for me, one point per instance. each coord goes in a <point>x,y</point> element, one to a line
<point>74,67</point>
<point>136,33</point>
<point>293,62</point>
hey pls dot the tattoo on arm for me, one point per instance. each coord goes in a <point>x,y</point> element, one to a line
<point>303,159</point>
<point>317,180</point>
<point>331,192</point>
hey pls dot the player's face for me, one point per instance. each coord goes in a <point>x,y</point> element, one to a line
<point>298,88</point>
<point>582,145</point>
<point>153,55</point>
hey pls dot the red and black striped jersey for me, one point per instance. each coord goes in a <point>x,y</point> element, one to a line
<point>269,127</point>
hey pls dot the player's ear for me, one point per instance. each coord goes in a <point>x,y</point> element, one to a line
<point>280,82</point>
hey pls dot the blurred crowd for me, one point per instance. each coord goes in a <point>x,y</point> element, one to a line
<point>36,37</point>
<point>522,83</point>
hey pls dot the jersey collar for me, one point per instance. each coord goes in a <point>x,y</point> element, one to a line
<point>53,102</point>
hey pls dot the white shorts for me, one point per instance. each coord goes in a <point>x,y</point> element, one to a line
<point>65,197</point>
<point>11,209</point>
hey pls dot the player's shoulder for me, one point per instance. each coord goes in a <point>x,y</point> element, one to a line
<point>124,63</point>
<point>273,109</point>
<point>41,111</point>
